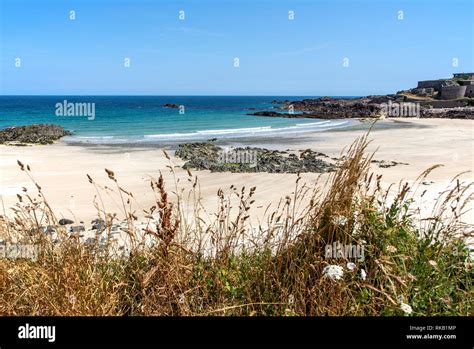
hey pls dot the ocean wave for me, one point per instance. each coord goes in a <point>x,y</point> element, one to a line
<point>314,123</point>
<point>172,135</point>
<point>235,130</point>
<point>94,137</point>
<point>266,131</point>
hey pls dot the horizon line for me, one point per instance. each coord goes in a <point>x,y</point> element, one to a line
<point>175,95</point>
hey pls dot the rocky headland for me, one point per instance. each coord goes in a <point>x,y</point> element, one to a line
<point>371,107</point>
<point>443,98</point>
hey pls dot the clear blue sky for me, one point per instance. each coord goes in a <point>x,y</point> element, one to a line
<point>195,56</point>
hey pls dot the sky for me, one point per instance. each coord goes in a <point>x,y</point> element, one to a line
<point>337,48</point>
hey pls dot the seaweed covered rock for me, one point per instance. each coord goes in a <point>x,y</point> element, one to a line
<point>207,156</point>
<point>35,134</point>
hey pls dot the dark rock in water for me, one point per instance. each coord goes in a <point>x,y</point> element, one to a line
<point>265,113</point>
<point>327,108</point>
<point>77,228</point>
<point>65,221</point>
<point>207,156</point>
<point>37,134</point>
<point>171,105</point>
<point>274,113</point>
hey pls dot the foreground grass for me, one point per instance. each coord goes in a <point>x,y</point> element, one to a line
<point>199,267</point>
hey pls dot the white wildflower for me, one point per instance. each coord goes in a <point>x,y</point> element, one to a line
<point>406,308</point>
<point>356,224</point>
<point>334,272</point>
<point>363,274</point>
<point>356,228</point>
<point>351,266</point>
<point>339,220</point>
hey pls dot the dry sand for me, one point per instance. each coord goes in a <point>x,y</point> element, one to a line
<point>61,169</point>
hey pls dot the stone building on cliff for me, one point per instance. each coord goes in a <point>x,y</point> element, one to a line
<point>459,86</point>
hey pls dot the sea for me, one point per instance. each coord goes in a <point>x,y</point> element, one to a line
<point>144,119</point>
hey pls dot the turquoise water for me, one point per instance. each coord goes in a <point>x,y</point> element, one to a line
<point>132,119</point>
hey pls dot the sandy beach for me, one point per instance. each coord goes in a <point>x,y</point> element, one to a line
<point>61,168</point>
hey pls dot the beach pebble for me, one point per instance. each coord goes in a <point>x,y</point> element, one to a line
<point>90,241</point>
<point>99,225</point>
<point>65,221</point>
<point>76,228</point>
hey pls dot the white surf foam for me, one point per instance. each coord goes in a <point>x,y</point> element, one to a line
<point>267,131</point>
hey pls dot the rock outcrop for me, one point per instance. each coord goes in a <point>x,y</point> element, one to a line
<point>34,134</point>
<point>65,221</point>
<point>207,156</point>
<point>171,105</point>
<point>372,107</point>
<point>326,108</point>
